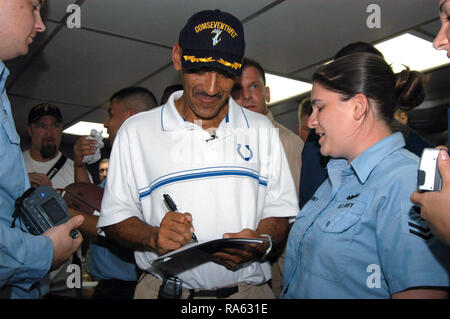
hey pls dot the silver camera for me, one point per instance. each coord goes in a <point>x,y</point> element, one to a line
<point>428,177</point>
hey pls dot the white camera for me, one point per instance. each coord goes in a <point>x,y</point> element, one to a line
<point>428,177</point>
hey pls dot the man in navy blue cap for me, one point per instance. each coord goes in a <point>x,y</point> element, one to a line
<point>45,129</point>
<point>221,163</point>
<point>46,165</point>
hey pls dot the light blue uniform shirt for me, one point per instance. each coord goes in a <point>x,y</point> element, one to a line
<point>112,262</point>
<point>359,236</point>
<point>24,259</point>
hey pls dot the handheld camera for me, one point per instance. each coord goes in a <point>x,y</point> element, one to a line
<point>428,177</point>
<point>42,208</point>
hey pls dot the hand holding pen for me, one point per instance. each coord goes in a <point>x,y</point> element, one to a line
<point>174,231</point>
<point>173,207</point>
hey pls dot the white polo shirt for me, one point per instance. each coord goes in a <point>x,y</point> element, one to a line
<point>227,183</point>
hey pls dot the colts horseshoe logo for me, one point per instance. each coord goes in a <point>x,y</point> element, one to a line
<point>250,152</point>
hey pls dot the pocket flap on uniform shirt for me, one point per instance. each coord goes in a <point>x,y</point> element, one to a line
<point>341,216</point>
<point>338,223</point>
<point>345,212</point>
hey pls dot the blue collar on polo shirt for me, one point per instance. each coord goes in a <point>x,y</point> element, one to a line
<point>171,120</point>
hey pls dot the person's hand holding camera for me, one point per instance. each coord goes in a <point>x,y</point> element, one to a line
<point>435,206</point>
<point>63,244</point>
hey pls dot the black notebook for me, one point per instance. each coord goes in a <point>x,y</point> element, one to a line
<point>196,253</point>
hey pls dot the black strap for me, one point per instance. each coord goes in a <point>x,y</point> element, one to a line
<point>17,205</point>
<point>55,169</point>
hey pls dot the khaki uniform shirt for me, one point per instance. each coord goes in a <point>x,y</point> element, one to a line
<point>293,146</point>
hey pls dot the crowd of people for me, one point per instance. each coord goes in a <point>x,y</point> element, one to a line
<point>333,211</point>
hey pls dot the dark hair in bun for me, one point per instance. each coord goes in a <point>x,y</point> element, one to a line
<point>410,89</point>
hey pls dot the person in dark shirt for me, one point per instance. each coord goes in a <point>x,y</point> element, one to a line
<point>313,172</point>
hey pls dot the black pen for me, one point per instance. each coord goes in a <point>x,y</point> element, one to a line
<point>173,207</point>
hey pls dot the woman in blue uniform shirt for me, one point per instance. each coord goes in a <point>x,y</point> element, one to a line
<point>360,236</point>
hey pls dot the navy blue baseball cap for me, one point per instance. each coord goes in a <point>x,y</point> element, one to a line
<point>44,109</point>
<point>213,38</point>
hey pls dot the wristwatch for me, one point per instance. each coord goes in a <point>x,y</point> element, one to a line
<point>270,245</point>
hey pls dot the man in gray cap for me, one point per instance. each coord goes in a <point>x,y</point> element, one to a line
<point>221,163</point>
